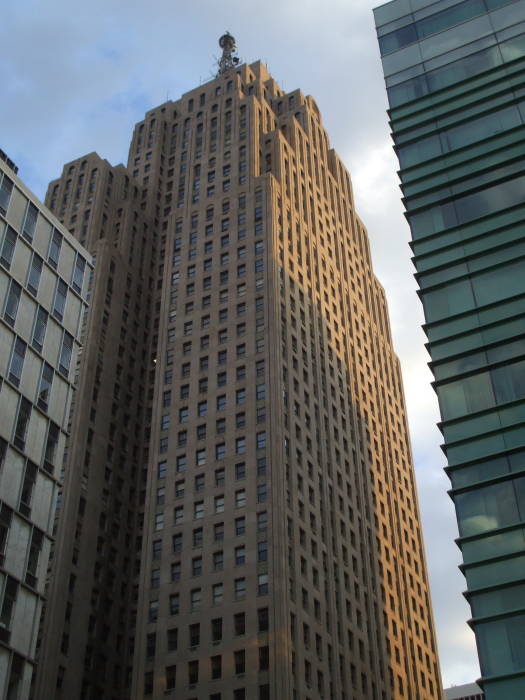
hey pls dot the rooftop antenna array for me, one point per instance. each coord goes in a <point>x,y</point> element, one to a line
<point>227,61</point>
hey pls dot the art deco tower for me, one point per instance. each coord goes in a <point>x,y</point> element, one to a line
<point>275,506</point>
<point>282,552</point>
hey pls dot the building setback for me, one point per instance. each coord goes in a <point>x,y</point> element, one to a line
<point>455,77</point>
<point>44,275</point>
<point>277,518</point>
<point>86,640</point>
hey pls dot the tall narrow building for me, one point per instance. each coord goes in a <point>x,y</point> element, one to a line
<point>265,434</point>
<point>282,552</point>
<point>455,79</point>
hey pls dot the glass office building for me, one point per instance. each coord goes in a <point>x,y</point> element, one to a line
<point>455,75</point>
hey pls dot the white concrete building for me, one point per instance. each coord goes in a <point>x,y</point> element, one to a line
<point>44,277</point>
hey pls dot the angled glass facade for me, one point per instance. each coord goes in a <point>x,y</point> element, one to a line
<point>455,76</point>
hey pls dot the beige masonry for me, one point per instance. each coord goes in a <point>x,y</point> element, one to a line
<point>271,496</point>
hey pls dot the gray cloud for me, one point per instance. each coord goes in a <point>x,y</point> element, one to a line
<point>77,77</point>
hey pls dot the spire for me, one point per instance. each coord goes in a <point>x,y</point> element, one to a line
<point>227,60</point>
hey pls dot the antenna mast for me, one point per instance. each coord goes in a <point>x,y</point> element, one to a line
<point>227,61</point>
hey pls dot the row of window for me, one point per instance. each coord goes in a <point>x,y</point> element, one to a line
<point>216,564</point>
<point>7,250</point>
<point>215,669</point>
<point>199,481</point>
<point>37,336</point>
<point>239,592</point>
<point>197,536</point>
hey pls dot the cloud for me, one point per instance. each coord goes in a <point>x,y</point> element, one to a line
<point>76,77</point>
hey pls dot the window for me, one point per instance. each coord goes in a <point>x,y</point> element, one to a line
<point>183,414</point>
<point>196,566</point>
<point>194,634</point>
<point>262,521</point>
<point>174,604</point>
<point>171,677</point>
<point>198,510</point>
<point>195,599</point>
<point>6,187</point>
<point>218,561</point>
<point>220,451</point>
<point>28,483</point>
<point>240,526</point>
<point>260,392</point>
<point>240,498</point>
<point>240,420</point>
<point>261,493</point>
<point>44,388</point>
<point>217,591</point>
<point>240,396</point>
<point>218,503</point>
<point>12,301</point>
<point>175,571</point>
<point>202,408</point>
<point>156,549</point>
<point>39,329</point>
<point>239,588</point>
<point>198,537</point>
<point>216,629</point>
<point>200,457</point>
<point>262,551</point>
<point>159,521</point>
<point>66,352</point>
<point>34,273</point>
<point>216,667</point>
<point>239,624</point>
<point>221,402</point>
<point>240,471</point>
<point>17,361</point>
<point>22,421</point>
<point>240,661</point>
<point>8,244</point>
<point>153,611</point>
<point>218,532</point>
<point>177,542</point>
<point>262,584</point>
<point>172,639</point>
<point>264,658</point>
<point>240,555</point>
<point>222,357</point>
<point>54,248</point>
<point>78,273</point>
<point>263,621</point>
<point>199,482</point>
<point>178,515</point>
<point>240,445</point>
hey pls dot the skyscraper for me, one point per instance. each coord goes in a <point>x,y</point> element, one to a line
<point>454,75</point>
<point>44,275</point>
<point>278,523</point>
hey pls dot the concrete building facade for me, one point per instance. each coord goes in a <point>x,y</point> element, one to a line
<point>44,276</point>
<point>455,80</point>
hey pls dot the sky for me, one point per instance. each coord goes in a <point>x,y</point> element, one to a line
<point>76,77</point>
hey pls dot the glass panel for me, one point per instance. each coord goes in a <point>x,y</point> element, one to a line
<point>467,395</point>
<point>489,507</point>
<point>501,645</point>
